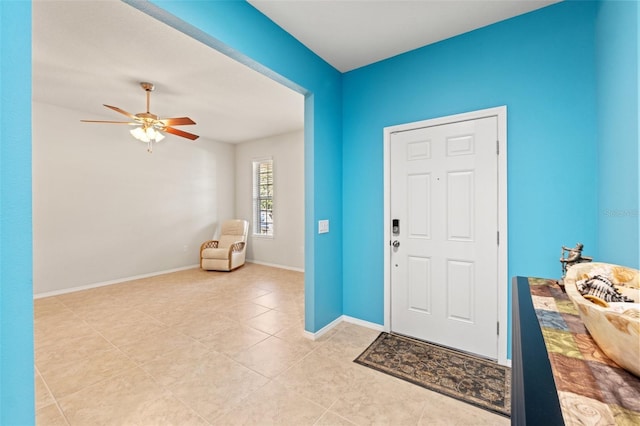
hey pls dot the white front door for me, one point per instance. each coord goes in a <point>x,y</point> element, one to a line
<point>444,253</point>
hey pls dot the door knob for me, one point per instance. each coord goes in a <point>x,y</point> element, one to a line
<point>396,243</point>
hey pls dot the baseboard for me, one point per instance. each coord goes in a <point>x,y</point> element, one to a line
<point>111,282</point>
<point>363,323</point>
<point>315,336</point>
<point>371,325</point>
<point>342,318</point>
<point>275,265</point>
<point>136,277</point>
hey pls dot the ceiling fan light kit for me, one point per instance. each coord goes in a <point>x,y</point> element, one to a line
<point>149,127</point>
<point>146,135</point>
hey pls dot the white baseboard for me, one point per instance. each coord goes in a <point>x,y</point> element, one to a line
<point>363,323</point>
<point>116,281</point>
<point>323,330</point>
<point>342,318</point>
<point>371,325</point>
<point>275,265</point>
<point>136,277</point>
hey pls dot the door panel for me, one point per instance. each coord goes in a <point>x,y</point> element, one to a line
<point>419,291</point>
<point>444,186</point>
<point>460,206</point>
<point>419,199</point>
<point>460,289</point>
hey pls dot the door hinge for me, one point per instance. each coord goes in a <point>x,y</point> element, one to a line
<point>497,147</point>
<point>498,328</point>
<point>498,237</point>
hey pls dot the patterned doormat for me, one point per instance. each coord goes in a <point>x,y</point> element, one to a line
<point>470,379</point>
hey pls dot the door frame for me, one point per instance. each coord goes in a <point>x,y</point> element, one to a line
<point>501,114</point>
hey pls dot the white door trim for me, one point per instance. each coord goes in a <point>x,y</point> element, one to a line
<point>503,281</point>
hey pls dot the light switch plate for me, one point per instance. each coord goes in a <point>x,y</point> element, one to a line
<point>323,226</point>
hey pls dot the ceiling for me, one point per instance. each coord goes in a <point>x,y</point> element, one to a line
<point>350,34</point>
<point>89,53</point>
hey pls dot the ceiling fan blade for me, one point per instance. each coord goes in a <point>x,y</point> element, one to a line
<point>110,122</point>
<point>121,111</point>
<point>178,121</point>
<point>181,133</point>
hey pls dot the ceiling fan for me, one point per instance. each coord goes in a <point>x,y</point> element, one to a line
<point>149,126</point>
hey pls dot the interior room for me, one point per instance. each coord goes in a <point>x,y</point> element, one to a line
<point>567,74</point>
<point>240,115</point>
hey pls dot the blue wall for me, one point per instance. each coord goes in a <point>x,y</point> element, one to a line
<point>16,284</point>
<point>239,30</point>
<point>243,33</point>
<point>541,65</point>
<point>618,186</point>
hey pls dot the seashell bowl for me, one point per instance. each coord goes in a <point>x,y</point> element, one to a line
<point>614,326</point>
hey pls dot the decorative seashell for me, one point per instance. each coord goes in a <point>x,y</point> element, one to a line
<point>602,288</point>
<point>596,300</point>
<point>625,276</point>
<point>616,328</point>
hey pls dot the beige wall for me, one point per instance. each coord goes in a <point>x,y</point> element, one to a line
<point>286,248</point>
<point>104,209</point>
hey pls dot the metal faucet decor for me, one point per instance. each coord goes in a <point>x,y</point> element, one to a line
<point>571,256</point>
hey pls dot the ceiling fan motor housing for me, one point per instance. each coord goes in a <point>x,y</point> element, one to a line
<point>147,86</point>
<point>147,116</point>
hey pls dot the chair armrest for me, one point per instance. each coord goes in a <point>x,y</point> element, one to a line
<point>209,244</point>
<point>237,246</point>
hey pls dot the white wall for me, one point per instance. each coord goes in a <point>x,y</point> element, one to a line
<point>286,248</point>
<point>104,209</point>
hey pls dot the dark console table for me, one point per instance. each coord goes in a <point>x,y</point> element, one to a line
<point>534,399</point>
<point>559,372</point>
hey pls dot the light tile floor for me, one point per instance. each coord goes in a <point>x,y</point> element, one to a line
<point>213,348</point>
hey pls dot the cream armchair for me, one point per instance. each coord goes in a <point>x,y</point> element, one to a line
<point>228,252</point>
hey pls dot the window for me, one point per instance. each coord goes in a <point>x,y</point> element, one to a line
<point>263,197</point>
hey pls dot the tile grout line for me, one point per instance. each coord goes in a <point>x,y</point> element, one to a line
<point>55,400</point>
